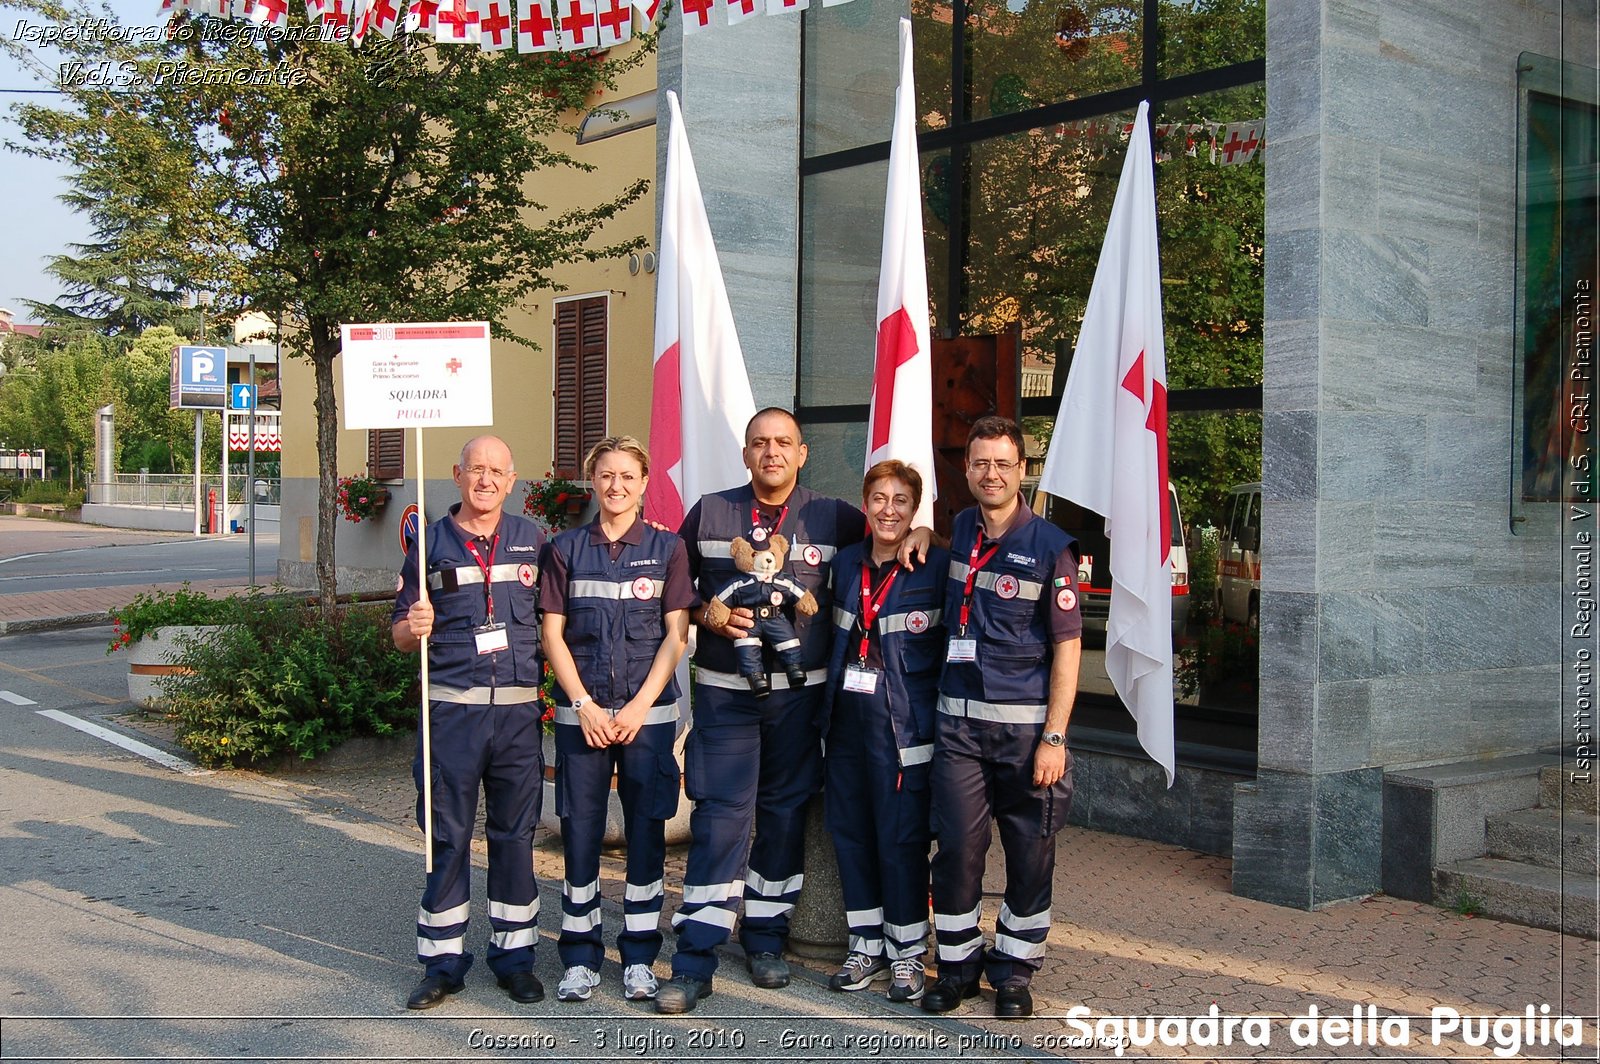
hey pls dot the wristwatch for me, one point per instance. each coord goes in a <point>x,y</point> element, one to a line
<point>579,703</point>
<point>1053,738</point>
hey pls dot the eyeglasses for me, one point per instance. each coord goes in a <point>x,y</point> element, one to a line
<point>492,473</point>
<point>983,465</point>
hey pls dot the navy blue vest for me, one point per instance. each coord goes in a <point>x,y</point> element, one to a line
<point>911,636</point>
<point>1009,619</point>
<point>457,672</point>
<point>810,526</point>
<point>614,617</point>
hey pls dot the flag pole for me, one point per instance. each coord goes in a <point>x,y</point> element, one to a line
<point>422,596</point>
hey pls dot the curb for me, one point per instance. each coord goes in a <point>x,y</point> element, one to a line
<point>51,624</point>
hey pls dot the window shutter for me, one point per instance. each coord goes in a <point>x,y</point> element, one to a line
<point>580,399</point>
<point>386,454</point>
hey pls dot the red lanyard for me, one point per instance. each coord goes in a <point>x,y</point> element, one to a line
<point>488,575</point>
<point>974,563</point>
<point>759,532</point>
<point>870,605</point>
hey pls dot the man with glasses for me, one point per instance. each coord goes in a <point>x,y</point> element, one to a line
<point>1010,676</point>
<point>482,625</point>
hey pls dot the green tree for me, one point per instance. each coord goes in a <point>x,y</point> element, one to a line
<point>325,184</point>
<point>150,435</point>
<point>51,403</point>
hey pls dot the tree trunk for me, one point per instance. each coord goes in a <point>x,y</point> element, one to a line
<point>325,348</point>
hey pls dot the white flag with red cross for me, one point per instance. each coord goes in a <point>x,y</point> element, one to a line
<point>536,30</point>
<point>696,14</point>
<point>648,10</point>
<point>422,16</point>
<point>270,13</point>
<point>900,419</point>
<point>1108,451</point>
<point>456,22</point>
<point>496,32</point>
<point>701,400</point>
<point>577,18</point>
<point>1237,142</point>
<point>613,21</point>
<point>743,10</point>
<point>383,17</point>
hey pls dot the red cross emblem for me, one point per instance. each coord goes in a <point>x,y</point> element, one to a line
<point>1135,382</point>
<point>495,23</point>
<point>1007,587</point>
<point>577,24</point>
<point>525,574</point>
<point>277,12</point>
<point>382,13</point>
<point>454,20</point>
<point>776,598</point>
<point>746,7</point>
<point>699,10</point>
<point>1065,599</point>
<point>453,365</point>
<point>424,11</point>
<point>812,555</point>
<point>535,25</point>
<point>615,17</point>
<point>644,588</point>
<point>916,622</point>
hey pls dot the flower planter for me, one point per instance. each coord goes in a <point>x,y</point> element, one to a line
<point>677,827</point>
<point>156,656</point>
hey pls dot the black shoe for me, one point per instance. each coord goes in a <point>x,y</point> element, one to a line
<point>1013,1002</point>
<point>767,970</point>
<point>681,994</point>
<point>522,986</point>
<point>760,685</point>
<point>948,993</point>
<point>797,677</point>
<point>433,990</point>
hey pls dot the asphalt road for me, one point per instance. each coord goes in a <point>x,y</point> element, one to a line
<point>147,560</point>
<point>149,912</point>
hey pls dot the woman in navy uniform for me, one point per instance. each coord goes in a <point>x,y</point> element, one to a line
<point>883,685</point>
<point>615,595</point>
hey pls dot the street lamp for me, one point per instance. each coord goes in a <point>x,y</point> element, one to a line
<point>201,300</point>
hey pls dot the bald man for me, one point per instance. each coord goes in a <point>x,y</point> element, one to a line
<point>481,621</point>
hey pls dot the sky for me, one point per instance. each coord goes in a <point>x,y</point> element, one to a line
<point>36,224</point>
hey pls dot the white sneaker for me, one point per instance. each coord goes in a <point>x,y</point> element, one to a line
<point>577,984</point>
<point>639,982</point>
<point>858,972</point>
<point>908,980</point>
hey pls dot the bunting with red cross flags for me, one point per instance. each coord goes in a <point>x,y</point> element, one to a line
<point>273,13</point>
<point>696,14</point>
<point>456,22</point>
<point>577,24</point>
<point>1108,451</point>
<point>648,10</point>
<point>613,21</point>
<point>1237,142</point>
<point>422,16</point>
<point>536,30</point>
<point>383,16</point>
<point>740,10</point>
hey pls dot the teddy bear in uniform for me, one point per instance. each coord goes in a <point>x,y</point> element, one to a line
<point>765,591</point>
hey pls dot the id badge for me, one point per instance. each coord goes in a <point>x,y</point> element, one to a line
<point>491,637</point>
<point>860,679</point>
<point>962,650</point>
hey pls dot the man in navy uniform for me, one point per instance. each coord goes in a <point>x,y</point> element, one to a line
<point>481,622</point>
<point>1010,677</point>
<point>748,759</point>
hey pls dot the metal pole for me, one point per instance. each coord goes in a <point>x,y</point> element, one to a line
<point>226,414</point>
<point>199,436</point>
<point>250,468</point>
<point>422,596</point>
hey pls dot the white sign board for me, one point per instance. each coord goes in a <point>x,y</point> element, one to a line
<point>416,375</point>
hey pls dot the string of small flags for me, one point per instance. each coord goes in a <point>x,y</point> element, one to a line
<point>492,25</point>
<point>1228,143</point>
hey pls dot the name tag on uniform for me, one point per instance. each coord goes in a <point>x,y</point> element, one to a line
<point>490,638</point>
<point>861,679</point>
<point>962,650</point>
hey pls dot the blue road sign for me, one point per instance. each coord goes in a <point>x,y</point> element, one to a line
<point>244,396</point>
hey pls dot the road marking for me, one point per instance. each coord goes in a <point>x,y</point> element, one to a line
<point>102,573</point>
<point>90,696</point>
<point>16,699</point>
<point>133,746</point>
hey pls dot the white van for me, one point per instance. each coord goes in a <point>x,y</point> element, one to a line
<point>1239,558</point>
<point>1094,567</point>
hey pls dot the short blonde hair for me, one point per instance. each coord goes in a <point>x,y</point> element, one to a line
<point>625,444</point>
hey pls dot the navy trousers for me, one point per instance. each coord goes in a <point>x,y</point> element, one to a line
<point>498,748</point>
<point>983,770</point>
<point>647,784</point>
<point>877,814</point>
<point>747,762</point>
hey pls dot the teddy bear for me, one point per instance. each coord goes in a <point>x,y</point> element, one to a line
<point>765,591</point>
